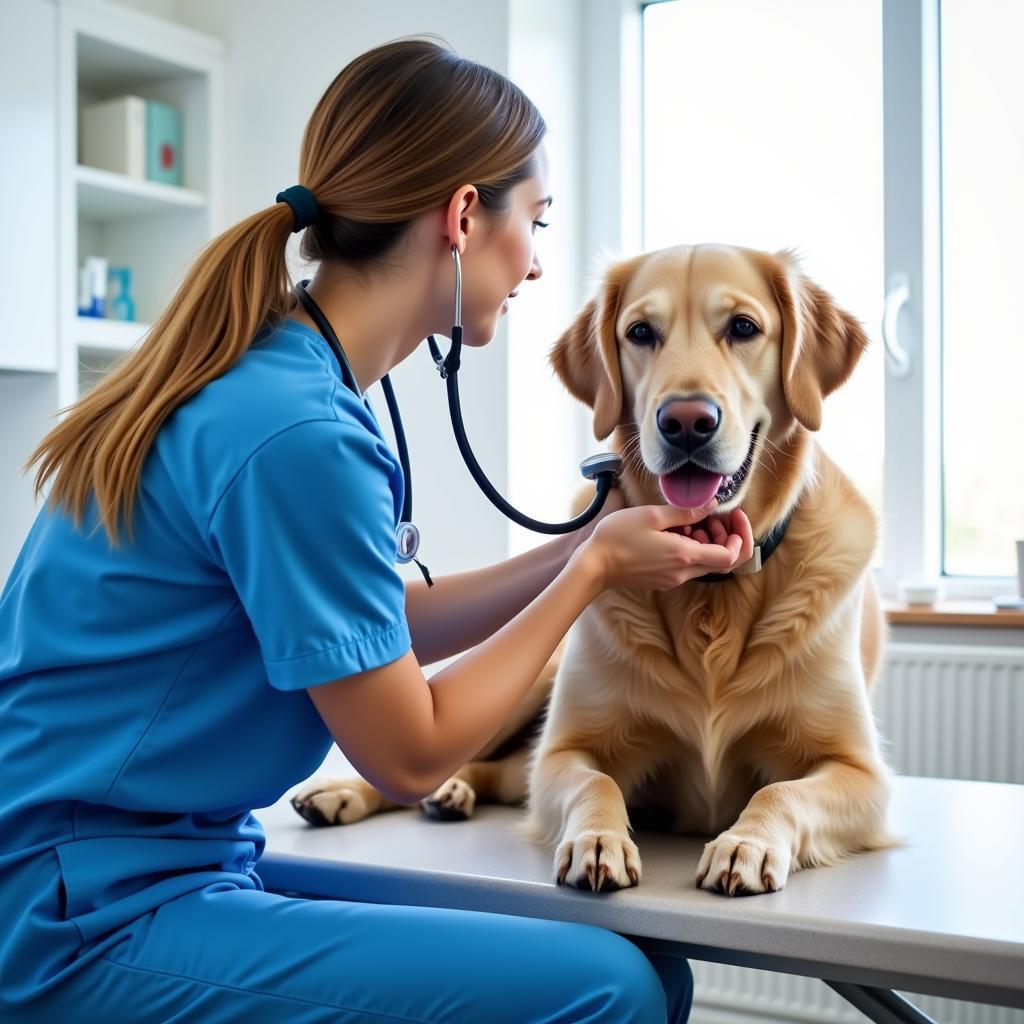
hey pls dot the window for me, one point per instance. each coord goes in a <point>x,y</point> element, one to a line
<point>835,128</point>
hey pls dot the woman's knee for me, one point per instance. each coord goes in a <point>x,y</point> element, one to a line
<point>634,992</point>
<point>677,981</point>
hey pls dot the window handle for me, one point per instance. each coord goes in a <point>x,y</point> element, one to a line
<point>897,358</point>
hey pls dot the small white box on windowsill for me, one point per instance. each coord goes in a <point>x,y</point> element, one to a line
<point>920,590</point>
<point>113,136</point>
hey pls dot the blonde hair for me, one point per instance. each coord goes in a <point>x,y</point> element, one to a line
<point>395,134</point>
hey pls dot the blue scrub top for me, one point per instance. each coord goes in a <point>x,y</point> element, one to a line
<point>152,695</point>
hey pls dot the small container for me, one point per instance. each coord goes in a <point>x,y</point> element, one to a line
<point>122,305</point>
<point>97,267</point>
<point>84,291</point>
<point>917,590</point>
<point>1014,602</point>
<point>163,143</point>
<point>113,136</point>
<point>92,287</point>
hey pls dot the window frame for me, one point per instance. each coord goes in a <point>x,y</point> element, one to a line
<point>912,193</point>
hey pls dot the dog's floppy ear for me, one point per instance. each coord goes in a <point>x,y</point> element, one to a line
<point>586,356</point>
<point>821,343</point>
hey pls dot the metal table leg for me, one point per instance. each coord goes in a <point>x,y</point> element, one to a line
<point>879,1004</point>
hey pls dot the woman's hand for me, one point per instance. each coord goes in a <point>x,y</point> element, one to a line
<point>657,547</point>
<point>612,503</point>
<point>714,531</point>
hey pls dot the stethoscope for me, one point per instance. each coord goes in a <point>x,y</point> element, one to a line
<point>603,469</point>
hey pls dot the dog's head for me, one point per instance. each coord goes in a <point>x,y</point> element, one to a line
<point>713,360</point>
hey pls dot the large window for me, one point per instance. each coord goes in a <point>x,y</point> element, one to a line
<point>764,124</point>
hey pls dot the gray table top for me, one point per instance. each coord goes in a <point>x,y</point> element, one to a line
<point>942,915</point>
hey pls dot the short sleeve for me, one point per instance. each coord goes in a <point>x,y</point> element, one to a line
<point>306,532</point>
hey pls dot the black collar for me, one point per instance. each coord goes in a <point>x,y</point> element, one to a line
<point>762,550</point>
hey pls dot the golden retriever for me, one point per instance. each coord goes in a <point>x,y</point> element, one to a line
<point>738,708</point>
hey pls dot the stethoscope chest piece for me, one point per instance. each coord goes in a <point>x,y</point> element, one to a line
<point>407,536</point>
<point>606,462</point>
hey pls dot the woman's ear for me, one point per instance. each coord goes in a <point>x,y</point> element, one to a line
<point>458,215</point>
<point>821,343</point>
<point>586,356</point>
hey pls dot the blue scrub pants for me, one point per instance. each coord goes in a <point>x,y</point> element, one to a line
<point>224,954</point>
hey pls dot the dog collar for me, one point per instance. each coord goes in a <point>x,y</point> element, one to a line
<point>762,551</point>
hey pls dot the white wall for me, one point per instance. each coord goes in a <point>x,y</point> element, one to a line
<point>274,79</point>
<point>28,259</point>
<point>547,426</point>
<point>159,8</point>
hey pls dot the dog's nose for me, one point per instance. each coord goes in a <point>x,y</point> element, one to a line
<point>688,423</point>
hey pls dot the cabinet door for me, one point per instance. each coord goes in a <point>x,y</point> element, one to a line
<point>28,185</point>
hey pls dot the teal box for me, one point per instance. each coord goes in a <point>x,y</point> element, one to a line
<point>163,143</point>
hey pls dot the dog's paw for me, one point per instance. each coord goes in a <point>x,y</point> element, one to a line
<point>598,861</point>
<point>331,802</point>
<point>452,801</point>
<point>742,865</point>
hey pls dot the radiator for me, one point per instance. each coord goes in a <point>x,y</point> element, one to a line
<point>951,711</point>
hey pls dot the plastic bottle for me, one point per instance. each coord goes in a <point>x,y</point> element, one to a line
<point>98,276</point>
<point>84,291</point>
<point>122,307</point>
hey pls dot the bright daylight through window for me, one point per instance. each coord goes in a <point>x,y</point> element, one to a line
<point>983,274</point>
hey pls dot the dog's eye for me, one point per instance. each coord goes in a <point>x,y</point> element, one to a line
<point>642,334</point>
<point>742,328</point>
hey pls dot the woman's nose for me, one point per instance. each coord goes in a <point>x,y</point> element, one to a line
<point>535,270</point>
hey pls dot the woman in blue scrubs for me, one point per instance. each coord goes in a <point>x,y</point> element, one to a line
<point>209,599</point>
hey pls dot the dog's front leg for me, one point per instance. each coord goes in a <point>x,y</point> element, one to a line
<point>570,796</point>
<point>836,809</point>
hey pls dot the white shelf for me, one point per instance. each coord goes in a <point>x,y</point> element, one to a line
<point>104,195</point>
<point>104,50</point>
<point>115,335</point>
<point>139,58</point>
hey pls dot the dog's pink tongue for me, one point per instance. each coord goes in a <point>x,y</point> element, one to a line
<point>689,487</point>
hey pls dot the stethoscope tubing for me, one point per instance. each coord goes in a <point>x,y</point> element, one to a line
<point>604,481</point>
<point>448,367</point>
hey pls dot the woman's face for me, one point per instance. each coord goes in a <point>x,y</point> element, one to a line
<point>497,255</point>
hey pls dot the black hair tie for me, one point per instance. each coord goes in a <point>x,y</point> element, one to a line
<point>303,204</point>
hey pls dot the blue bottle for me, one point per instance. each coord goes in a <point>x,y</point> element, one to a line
<point>123,305</point>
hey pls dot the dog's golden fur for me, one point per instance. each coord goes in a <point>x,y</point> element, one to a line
<point>741,709</point>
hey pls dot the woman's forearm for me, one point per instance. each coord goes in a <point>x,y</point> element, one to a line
<point>476,695</point>
<point>463,609</point>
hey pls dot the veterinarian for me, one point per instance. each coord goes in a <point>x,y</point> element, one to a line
<point>209,599</point>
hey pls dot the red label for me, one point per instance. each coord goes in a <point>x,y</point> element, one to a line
<point>166,155</point>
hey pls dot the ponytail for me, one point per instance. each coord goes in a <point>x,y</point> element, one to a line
<point>238,283</point>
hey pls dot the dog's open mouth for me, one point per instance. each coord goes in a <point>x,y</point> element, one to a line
<point>691,485</point>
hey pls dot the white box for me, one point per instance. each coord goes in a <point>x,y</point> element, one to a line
<point>113,136</point>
